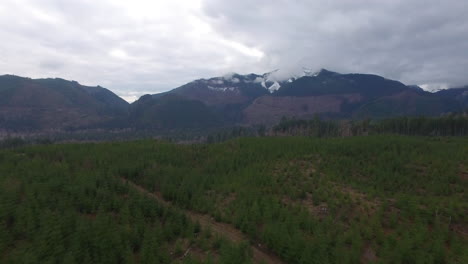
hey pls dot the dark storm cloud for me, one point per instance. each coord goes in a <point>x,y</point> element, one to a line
<point>420,42</point>
<point>146,46</point>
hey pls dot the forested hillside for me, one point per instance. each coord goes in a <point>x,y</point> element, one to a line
<point>452,125</point>
<point>55,104</point>
<point>374,199</point>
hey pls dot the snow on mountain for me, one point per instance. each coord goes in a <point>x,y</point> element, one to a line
<point>274,87</point>
<point>271,81</point>
<point>270,86</point>
<point>222,89</point>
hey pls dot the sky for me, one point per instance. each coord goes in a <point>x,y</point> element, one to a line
<point>136,47</point>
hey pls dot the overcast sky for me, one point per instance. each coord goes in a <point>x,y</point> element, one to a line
<point>134,47</point>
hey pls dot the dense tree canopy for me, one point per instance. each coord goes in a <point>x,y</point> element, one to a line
<point>374,199</point>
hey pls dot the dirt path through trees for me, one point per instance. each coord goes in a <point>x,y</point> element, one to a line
<point>260,253</point>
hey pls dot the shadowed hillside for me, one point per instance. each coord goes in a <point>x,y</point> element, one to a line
<point>54,104</point>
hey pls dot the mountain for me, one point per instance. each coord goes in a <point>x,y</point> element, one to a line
<point>225,90</point>
<point>326,82</point>
<point>407,103</point>
<point>55,104</point>
<point>233,88</point>
<point>171,111</point>
<point>223,98</point>
<point>265,99</point>
<point>416,88</point>
<point>234,99</point>
<point>227,95</point>
<point>460,95</point>
<point>334,95</point>
<point>110,100</point>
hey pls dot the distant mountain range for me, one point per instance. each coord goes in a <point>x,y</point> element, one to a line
<point>56,104</point>
<point>265,99</point>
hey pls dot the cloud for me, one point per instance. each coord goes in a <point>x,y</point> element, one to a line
<point>147,46</point>
<point>414,41</point>
<point>127,46</point>
<point>51,64</point>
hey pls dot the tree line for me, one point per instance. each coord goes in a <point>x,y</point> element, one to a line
<point>450,125</point>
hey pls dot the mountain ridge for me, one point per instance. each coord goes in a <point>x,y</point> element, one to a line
<point>51,104</point>
<point>327,93</point>
<point>233,99</point>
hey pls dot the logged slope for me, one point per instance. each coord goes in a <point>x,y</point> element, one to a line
<point>48,104</point>
<point>386,199</point>
<point>408,103</point>
<point>271,109</point>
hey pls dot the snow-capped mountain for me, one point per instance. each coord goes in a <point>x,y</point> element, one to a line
<point>221,101</point>
<point>231,88</point>
<point>272,81</point>
<point>266,98</point>
<point>248,84</point>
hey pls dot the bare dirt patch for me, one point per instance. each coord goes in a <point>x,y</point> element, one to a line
<point>228,199</point>
<point>418,168</point>
<point>368,255</point>
<point>367,204</point>
<point>463,173</point>
<point>90,216</point>
<point>307,167</point>
<point>317,210</point>
<point>460,229</point>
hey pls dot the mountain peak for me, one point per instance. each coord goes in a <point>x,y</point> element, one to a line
<point>324,72</point>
